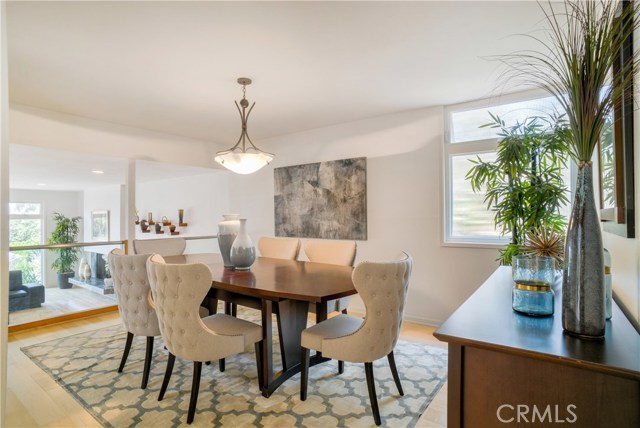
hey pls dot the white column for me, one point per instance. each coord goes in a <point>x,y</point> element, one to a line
<point>130,206</point>
<point>4,211</point>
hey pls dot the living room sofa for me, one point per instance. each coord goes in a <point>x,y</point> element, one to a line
<point>24,296</point>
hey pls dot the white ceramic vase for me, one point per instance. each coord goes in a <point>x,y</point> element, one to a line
<point>87,272</point>
<point>81,266</point>
<point>227,232</point>
<point>243,253</point>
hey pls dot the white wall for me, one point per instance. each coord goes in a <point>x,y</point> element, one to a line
<point>404,157</point>
<point>105,198</point>
<point>204,199</point>
<point>69,204</point>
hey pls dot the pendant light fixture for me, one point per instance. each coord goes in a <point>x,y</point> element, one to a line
<point>244,158</point>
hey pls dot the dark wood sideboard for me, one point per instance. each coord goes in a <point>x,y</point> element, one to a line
<point>511,370</point>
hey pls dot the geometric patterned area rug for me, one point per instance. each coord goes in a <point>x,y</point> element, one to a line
<point>86,365</point>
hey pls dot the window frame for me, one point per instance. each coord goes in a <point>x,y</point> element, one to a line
<point>451,149</point>
<point>43,226</point>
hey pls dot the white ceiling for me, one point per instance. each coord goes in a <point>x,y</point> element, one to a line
<point>45,169</point>
<point>172,66</point>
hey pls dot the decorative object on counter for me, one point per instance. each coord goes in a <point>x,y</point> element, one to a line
<point>608,286</point>
<point>545,242</point>
<point>533,278</point>
<point>227,231</point>
<point>523,186</point>
<point>243,253</point>
<point>108,281</point>
<point>66,232</point>
<point>144,227</point>
<point>87,272</point>
<point>172,228</point>
<point>83,263</point>
<point>159,228</point>
<point>165,221</point>
<point>243,159</point>
<point>574,65</point>
<point>308,200</point>
<point>137,217</point>
<point>180,216</point>
<point>150,219</point>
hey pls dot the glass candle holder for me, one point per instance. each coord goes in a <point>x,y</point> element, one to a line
<point>533,277</point>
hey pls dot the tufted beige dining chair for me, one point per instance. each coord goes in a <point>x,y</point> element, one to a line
<point>335,253</point>
<point>177,292</point>
<point>279,248</point>
<point>133,295</point>
<point>383,289</point>
<point>163,246</point>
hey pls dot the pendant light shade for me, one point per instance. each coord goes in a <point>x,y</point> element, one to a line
<point>244,158</point>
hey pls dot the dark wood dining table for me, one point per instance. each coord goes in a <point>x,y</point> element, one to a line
<point>281,287</point>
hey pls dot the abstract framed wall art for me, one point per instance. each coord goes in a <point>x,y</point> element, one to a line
<point>326,200</point>
<point>100,225</point>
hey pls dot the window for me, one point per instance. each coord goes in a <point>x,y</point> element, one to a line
<point>467,221</point>
<point>25,228</point>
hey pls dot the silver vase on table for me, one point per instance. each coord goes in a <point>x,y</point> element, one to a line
<point>243,253</point>
<point>583,288</point>
<point>227,232</point>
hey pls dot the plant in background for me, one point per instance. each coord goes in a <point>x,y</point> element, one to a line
<point>524,185</point>
<point>66,232</point>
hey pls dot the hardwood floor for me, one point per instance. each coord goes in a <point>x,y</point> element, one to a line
<point>36,400</point>
<point>61,302</point>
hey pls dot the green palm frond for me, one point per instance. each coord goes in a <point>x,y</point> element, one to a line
<point>574,65</point>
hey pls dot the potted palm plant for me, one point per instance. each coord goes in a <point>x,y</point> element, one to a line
<point>584,43</point>
<point>66,232</point>
<point>524,185</point>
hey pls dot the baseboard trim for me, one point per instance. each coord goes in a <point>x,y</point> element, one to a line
<point>408,318</point>
<point>62,318</point>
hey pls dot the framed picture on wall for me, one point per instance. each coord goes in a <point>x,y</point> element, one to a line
<point>100,225</point>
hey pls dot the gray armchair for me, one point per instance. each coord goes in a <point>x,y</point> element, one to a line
<point>24,296</point>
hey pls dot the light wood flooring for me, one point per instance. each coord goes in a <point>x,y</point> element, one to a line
<point>36,400</point>
<point>61,302</point>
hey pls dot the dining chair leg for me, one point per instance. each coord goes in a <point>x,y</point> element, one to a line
<point>258,346</point>
<point>147,362</point>
<point>221,364</point>
<point>304,373</point>
<point>340,367</point>
<point>127,348</point>
<point>394,372</point>
<point>195,386</point>
<point>234,309</point>
<point>371,384</point>
<point>167,375</point>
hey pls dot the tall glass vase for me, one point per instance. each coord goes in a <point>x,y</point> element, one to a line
<point>243,253</point>
<point>583,288</point>
<point>227,232</point>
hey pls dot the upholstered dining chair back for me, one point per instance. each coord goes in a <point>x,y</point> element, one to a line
<point>330,251</point>
<point>335,253</point>
<point>279,248</point>
<point>133,293</point>
<point>177,292</point>
<point>164,247</point>
<point>383,289</point>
